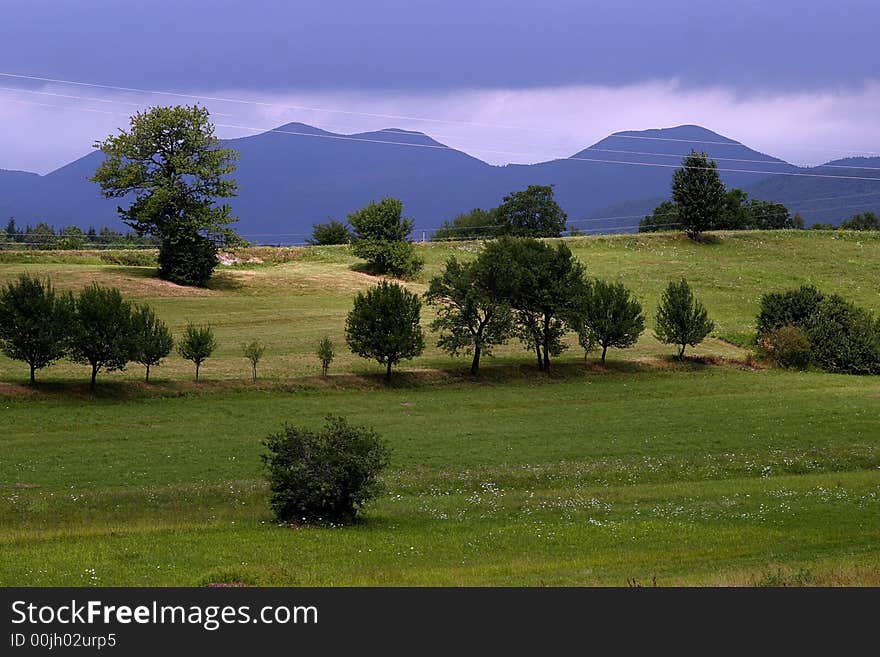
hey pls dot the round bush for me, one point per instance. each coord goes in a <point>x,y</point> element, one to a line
<point>323,477</point>
<point>187,259</point>
<point>789,346</point>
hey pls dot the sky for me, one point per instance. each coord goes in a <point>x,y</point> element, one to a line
<point>506,81</point>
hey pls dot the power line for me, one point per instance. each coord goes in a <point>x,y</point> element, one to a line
<point>505,152</point>
<point>298,108</point>
<point>245,101</point>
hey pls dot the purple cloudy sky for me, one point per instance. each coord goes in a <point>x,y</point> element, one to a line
<point>507,81</point>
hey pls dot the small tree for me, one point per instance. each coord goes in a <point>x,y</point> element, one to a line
<point>101,334</point>
<point>197,345</point>
<point>253,351</point>
<point>33,322</point>
<point>325,354</point>
<point>844,338</point>
<point>681,318</point>
<point>788,346</point>
<point>384,325</point>
<point>382,238</point>
<point>471,318</point>
<point>698,194</point>
<point>532,212</point>
<point>334,232</point>
<point>323,476</point>
<point>152,340</point>
<point>663,218</point>
<point>866,221</point>
<point>612,316</point>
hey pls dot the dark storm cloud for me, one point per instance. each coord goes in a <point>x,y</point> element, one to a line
<point>280,46</point>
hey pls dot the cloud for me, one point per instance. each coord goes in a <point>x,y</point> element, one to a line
<point>48,129</point>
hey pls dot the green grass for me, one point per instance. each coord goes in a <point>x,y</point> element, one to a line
<point>643,471</point>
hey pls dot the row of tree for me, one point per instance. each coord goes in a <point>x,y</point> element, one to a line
<point>96,327</point>
<point>861,221</point>
<point>44,236</point>
<point>517,288</point>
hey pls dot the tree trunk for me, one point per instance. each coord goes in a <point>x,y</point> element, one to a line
<point>538,354</point>
<point>545,341</point>
<point>94,375</point>
<point>197,371</point>
<point>475,363</point>
<point>681,352</point>
<point>255,372</point>
<point>388,372</point>
<point>33,378</point>
<point>147,377</point>
<point>604,349</point>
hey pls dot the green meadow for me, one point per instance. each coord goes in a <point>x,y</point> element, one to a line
<point>717,471</point>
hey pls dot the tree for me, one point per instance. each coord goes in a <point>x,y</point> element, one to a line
<point>10,230</point>
<point>765,215</point>
<point>698,193</point>
<point>197,345</point>
<point>169,160</point>
<point>384,325</point>
<point>323,476</point>
<point>152,341</point>
<point>101,333</point>
<point>543,284</point>
<point>254,351</point>
<point>334,232</point>
<point>612,316</point>
<point>532,212</point>
<point>33,322</point>
<point>381,238</point>
<point>681,318</point>
<point>866,221</point>
<point>735,214</point>
<point>471,316</point>
<point>476,224</point>
<point>664,217</point>
<point>325,354</point>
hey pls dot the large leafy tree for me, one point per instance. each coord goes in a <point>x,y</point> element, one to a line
<point>532,212</point>
<point>384,325</point>
<point>611,316</point>
<point>543,284</point>
<point>471,315</point>
<point>169,161</point>
<point>681,318</point>
<point>101,334</point>
<point>698,193</point>
<point>33,322</point>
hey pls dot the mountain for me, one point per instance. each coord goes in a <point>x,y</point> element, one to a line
<point>296,175</point>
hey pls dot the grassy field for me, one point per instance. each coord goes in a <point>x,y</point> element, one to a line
<point>708,472</point>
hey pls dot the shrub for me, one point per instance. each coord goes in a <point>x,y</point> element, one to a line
<point>254,351</point>
<point>788,346</point>
<point>844,338</point>
<point>152,340</point>
<point>334,232</point>
<point>682,319</point>
<point>33,322</point>
<point>789,308</point>
<point>323,476</point>
<point>325,354</point>
<point>187,259</point>
<point>101,334</point>
<point>197,345</point>
<point>384,325</point>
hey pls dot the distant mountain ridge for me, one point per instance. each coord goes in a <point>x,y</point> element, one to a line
<point>297,175</point>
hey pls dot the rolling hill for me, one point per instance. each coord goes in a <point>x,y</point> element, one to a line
<point>296,175</point>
